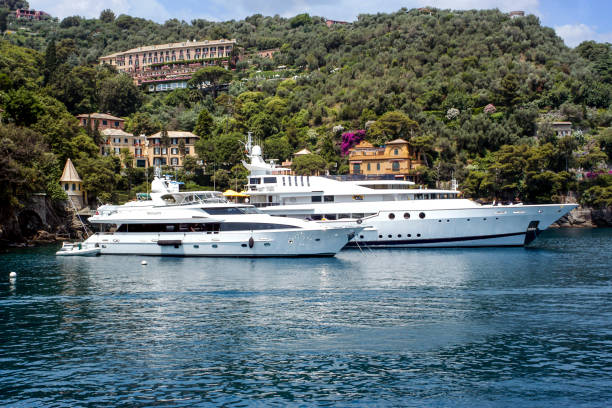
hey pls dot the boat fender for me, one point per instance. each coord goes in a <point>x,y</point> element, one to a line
<point>251,242</point>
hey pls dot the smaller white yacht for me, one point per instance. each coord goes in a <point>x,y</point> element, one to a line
<point>213,229</point>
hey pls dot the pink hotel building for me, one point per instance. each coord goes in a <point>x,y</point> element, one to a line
<point>169,66</point>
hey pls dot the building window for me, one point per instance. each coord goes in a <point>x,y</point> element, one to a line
<point>395,152</point>
<point>186,151</point>
<point>368,166</point>
<point>174,161</point>
<point>377,166</point>
<point>356,168</point>
<point>73,187</point>
<point>116,124</point>
<point>156,150</point>
<point>104,122</point>
<point>66,187</point>
<point>174,150</point>
<point>395,166</point>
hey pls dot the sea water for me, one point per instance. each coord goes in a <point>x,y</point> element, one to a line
<point>405,327</point>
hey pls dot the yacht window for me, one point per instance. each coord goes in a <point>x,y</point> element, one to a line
<point>289,178</point>
<point>254,180</point>
<point>328,198</point>
<point>330,216</point>
<point>357,215</point>
<point>391,216</point>
<point>296,183</point>
<point>315,199</point>
<point>269,199</point>
<point>250,210</point>
<point>340,216</point>
<point>418,196</point>
<point>422,215</point>
<point>283,181</point>
<point>308,180</point>
<point>269,180</point>
<point>252,226</point>
<point>302,180</point>
<point>406,215</point>
<point>223,211</point>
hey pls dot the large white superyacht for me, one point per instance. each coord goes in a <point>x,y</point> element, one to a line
<point>213,229</point>
<point>395,213</point>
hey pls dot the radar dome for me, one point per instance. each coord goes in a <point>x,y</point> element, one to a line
<point>256,150</point>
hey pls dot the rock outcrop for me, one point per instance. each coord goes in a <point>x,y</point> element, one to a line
<point>586,217</point>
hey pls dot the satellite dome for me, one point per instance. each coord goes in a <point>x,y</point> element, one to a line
<point>256,150</point>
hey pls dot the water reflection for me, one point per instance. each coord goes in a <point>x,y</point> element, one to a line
<point>457,327</point>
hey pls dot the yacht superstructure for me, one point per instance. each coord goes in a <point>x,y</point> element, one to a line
<point>395,212</point>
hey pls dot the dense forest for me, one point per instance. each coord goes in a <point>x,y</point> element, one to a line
<point>474,91</point>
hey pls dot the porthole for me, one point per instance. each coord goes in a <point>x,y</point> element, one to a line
<point>243,245</point>
<point>266,244</point>
<point>390,236</point>
<point>418,235</point>
<point>468,219</point>
<point>409,235</point>
<point>380,236</point>
<point>214,245</point>
<point>540,211</point>
<point>439,220</point>
<point>447,220</point>
<point>406,215</point>
<point>422,215</point>
<point>317,239</point>
<point>391,216</point>
<point>484,219</point>
<point>196,246</point>
<point>399,235</point>
<point>361,236</point>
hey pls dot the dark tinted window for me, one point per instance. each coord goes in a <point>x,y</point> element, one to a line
<point>269,180</point>
<point>315,199</point>
<point>249,226</point>
<point>254,180</point>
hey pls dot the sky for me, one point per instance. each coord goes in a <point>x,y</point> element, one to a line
<point>574,21</point>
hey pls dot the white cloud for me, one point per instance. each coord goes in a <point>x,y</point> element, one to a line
<point>224,10</point>
<point>151,9</point>
<point>574,34</point>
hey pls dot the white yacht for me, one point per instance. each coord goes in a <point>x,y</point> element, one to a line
<point>396,213</point>
<point>213,229</point>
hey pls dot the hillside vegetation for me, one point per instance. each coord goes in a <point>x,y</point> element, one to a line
<point>473,91</point>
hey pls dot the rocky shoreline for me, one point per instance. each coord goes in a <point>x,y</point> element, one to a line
<point>586,217</point>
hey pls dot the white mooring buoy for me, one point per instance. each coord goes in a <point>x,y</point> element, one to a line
<point>13,275</point>
<point>143,263</point>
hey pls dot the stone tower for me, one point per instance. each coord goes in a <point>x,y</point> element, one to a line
<point>73,186</point>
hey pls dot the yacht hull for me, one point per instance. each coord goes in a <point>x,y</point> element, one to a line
<point>227,244</point>
<point>472,227</point>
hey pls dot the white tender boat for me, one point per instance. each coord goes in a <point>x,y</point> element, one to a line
<point>214,229</point>
<point>78,249</point>
<point>395,212</point>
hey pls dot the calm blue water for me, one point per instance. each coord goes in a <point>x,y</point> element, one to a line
<point>454,327</point>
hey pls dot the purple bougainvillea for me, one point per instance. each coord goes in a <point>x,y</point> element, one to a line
<point>350,139</point>
<point>490,108</point>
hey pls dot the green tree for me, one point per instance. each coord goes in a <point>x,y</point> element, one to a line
<point>204,125</point>
<point>142,123</point>
<point>392,125</point>
<point>213,76</point>
<point>107,16</point>
<point>308,164</point>
<point>50,61</point>
<point>119,95</point>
